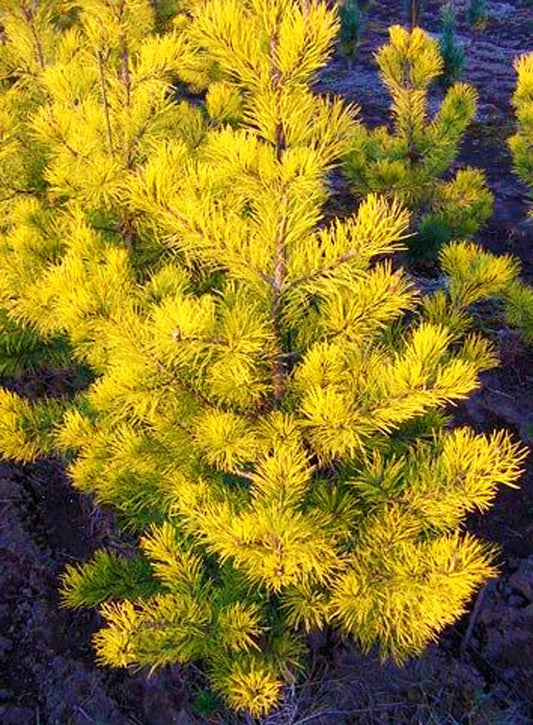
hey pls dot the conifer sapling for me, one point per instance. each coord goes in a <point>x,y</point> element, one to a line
<point>519,296</point>
<point>268,410</point>
<point>477,13</point>
<point>408,161</point>
<point>521,143</point>
<point>453,53</point>
<point>351,18</point>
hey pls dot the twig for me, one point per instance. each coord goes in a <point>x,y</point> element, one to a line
<point>126,72</point>
<point>104,98</point>
<point>243,474</point>
<point>500,392</point>
<point>473,617</point>
<point>89,718</point>
<point>29,15</point>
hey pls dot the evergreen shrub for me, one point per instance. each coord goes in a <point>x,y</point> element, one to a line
<point>521,143</point>
<point>453,53</point>
<point>477,13</point>
<point>519,296</point>
<point>351,18</point>
<point>268,412</point>
<point>408,161</point>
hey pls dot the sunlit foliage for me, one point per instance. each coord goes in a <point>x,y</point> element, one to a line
<point>268,411</point>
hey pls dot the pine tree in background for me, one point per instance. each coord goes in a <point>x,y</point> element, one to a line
<point>22,160</point>
<point>519,296</point>
<point>477,13</point>
<point>351,19</point>
<point>408,161</point>
<point>96,109</point>
<point>453,53</point>
<point>35,63</point>
<point>268,405</point>
<point>521,143</point>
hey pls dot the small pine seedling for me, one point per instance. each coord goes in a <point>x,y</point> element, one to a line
<point>519,297</point>
<point>351,18</point>
<point>409,159</point>
<point>521,142</point>
<point>453,53</point>
<point>477,13</point>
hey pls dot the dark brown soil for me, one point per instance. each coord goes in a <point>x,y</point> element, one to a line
<point>481,671</point>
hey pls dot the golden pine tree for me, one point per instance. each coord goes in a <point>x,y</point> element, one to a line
<point>269,394</point>
<point>521,143</point>
<point>99,94</point>
<point>520,296</point>
<point>22,160</point>
<point>409,160</point>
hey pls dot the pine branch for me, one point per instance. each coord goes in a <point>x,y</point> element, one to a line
<point>29,15</point>
<point>194,392</point>
<point>324,271</point>
<point>126,230</point>
<point>16,192</point>
<point>216,341</point>
<point>104,99</point>
<point>54,123</point>
<point>279,371</point>
<point>125,74</point>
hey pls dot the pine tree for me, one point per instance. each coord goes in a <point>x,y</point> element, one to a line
<point>519,296</point>
<point>351,19</point>
<point>409,160</point>
<point>22,160</point>
<point>521,143</point>
<point>453,53</point>
<point>35,63</point>
<point>477,13</point>
<point>268,409</point>
<point>96,106</point>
